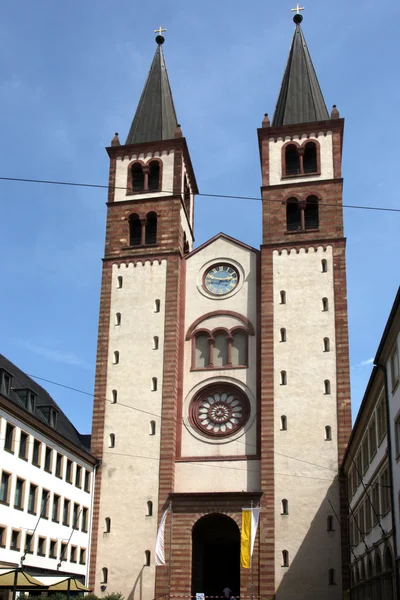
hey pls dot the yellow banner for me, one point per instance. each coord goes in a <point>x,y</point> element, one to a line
<point>245,540</point>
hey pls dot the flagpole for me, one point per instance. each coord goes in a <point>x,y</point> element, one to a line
<point>251,564</point>
<point>170,550</point>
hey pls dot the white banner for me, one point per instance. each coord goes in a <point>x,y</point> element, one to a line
<point>255,516</point>
<point>160,554</point>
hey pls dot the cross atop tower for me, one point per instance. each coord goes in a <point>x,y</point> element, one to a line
<point>298,9</point>
<point>160,30</point>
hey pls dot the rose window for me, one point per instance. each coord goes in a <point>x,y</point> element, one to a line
<point>219,410</point>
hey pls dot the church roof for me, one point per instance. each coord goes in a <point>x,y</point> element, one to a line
<point>300,97</point>
<point>155,117</point>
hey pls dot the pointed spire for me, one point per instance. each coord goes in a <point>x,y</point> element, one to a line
<point>155,117</point>
<point>300,98</point>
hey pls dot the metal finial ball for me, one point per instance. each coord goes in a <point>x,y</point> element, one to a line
<point>160,39</point>
<point>298,19</point>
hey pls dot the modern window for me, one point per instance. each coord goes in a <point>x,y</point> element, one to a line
<point>394,368</point>
<point>66,508</point>
<point>87,481</point>
<point>68,471</point>
<point>283,378</point>
<point>73,554</point>
<point>149,509</point>
<point>44,504</point>
<point>283,423</point>
<point>53,549</point>
<point>282,297</point>
<point>15,539</point>
<point>368,518</point>
<point>9,438</point>
<point>285,507</point>
<point>84,521</point>
<point>381,420</point>
<point>283,335</point>
<point>285,558</point>
<point>114,395</point>
<point>397,435</point>
<point>107,525</point>
<point>3,535</point>
<point>147,558</point>
<point>19,494</point>
<point>104,573</point>
<point>59,465</point>
<point>48,459</point>
<point>75,516</point>
<point>82,556</point>
<point>78,476</point>
<point>327,387</point>
<point>64,550</point>
<point>36,453</point>
<point>28,543</point>
<point>375,503</point>
<point>55,515</point>
<point>329,523</point>
<point>372,438</point>
<point>5,487</point>
<point>365,453</point>
<point>332,577</point>
<point>152,428</point>
<point>385,491</point>
<point>328,433</point>
<point>325,304</point>
<point>5,383</point>
<point>32,499</point>
<point>23,445</point>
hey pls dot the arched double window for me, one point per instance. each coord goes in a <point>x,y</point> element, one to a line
<point>301,160</point>
<point>220,349</point>
<point>302,216</point>
<point>143,231</point>
<point>144,178</point>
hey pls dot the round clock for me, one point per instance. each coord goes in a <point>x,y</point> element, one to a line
<point>221,279</point>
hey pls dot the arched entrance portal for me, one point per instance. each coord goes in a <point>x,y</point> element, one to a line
<point>215,555</point>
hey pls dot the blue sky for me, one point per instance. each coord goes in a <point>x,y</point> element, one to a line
<point>71,75</point>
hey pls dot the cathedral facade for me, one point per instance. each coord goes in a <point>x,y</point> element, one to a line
<point>222,375</point>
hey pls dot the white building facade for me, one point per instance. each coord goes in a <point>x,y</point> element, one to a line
<point>46,481</point>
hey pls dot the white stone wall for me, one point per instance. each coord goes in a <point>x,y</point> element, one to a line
<point>306,465</point>
<point>326,155</point>
<point>21,520</point>
<point>130,471</point>
<point>242,475</point>
<point>121,176</point>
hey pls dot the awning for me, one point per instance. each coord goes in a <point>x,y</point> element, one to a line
<point>24,580</point>
<point>62,584</point>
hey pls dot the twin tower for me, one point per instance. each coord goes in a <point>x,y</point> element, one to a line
<point>222,376</point>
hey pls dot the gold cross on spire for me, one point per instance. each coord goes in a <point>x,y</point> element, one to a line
<point>298,9</point>
<point>160,30</point>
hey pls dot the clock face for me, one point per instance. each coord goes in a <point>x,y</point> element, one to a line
<point>221,279</point>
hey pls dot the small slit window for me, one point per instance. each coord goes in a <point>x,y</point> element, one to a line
<point>157,305</point>
<point>135,230</point>
<point>154,384</point>
<point>332,577</point>
<point>114,397</point>
<point>116,357</point>
<point>327,387</point>
<point>117,319</point>
<point>329,523</point>
<point>283,334</point>
<point>283,423</point>
<point>283,378</point>
<point>327,345</point>
<point>147,558</point>
<point>285,507</point>
<point>152,428</point>
<point>285,558</point>
<point>324,265</point>
<point>107,525</point>
<point>155,343</point>
<point>151,228</point>
<point>119,282</point>
<point>149,509</point>
<point>111,441</point>
<point>283,297</point>
<point>104,573</point>
<point>325,304</point>
<point>328,433</point>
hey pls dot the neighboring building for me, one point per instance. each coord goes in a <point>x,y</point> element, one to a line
<point>222,371</point>
<point>387,358</point>
<point>370,522</point>
<point>46,481</point>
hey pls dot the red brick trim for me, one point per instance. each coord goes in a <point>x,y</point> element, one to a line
<point>301,147</point>
<point>215,313</point>
<point>211,338</point>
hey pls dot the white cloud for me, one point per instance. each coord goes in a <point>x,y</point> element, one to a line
<point>68,358</point>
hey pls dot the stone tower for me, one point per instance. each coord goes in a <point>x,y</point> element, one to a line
<point>222,372</point>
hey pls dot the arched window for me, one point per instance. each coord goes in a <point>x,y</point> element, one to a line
<point>370,572</point>
<point>104,573</point>
<point>283,334</point>
<point>292,160</point>
<point>116,357</point>
<point>325,304</point>
<point>293,215</point>
<point>149,509</point>
<point>114,394</point>
<point>283,378</point>
<point>283,423</point>
<point>311,213</point>
<point>332,577</point>
<point>155,342</point>
<point>152,428</point>
<point>108,525</point>
<point>285,507</point>
<point>135,230</point>
<point>327,387</point>
<point>310,162</point>
<point>239,349</point>
<point>202,349</point>
<point>117,319</point>
<point>157,306</point>
<point>137,177</point>
<point>328,434</point>
<point>154,176</point>
<point>282,297</point>
<point>151,228</point>
<point>111,443</point>
<point>220,354</point>
<point>119,282</point>
<point>327,345</point>
<point>329,523</point>
<point>378,564</point>
<point>147,558</point>
<point>154,384</point>
<point>324,265</point>
<point>388,560</point>
<point>285,558</point>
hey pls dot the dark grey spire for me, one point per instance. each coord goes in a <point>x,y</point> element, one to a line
<point>300,98</point>
<point>155,117</point>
